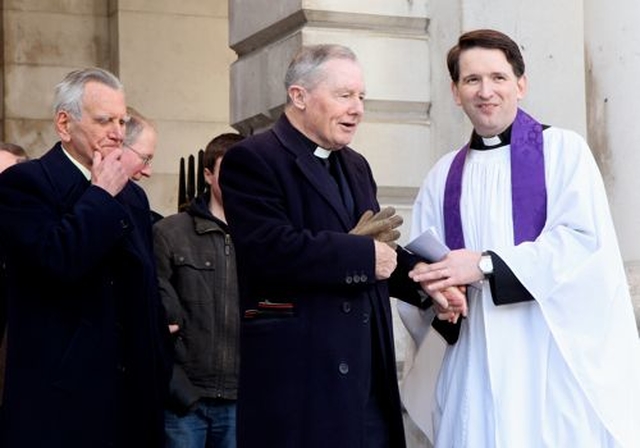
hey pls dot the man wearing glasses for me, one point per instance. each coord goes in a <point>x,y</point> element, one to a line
<point>139,145</point>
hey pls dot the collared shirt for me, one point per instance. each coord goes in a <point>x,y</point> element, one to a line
<point>85,172</point>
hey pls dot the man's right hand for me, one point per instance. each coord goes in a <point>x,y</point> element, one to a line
<point>108,173</point>
<point>386,260</point>
<point>381,226</point>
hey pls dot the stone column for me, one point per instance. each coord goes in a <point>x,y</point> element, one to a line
<point>41,41</point>
<point>550,35</point>
<point>612,40</point>
<point>173,58</point>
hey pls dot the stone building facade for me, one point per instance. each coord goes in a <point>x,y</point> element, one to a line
<point>201,67</point>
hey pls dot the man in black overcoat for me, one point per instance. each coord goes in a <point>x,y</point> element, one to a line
<point>86,342</point>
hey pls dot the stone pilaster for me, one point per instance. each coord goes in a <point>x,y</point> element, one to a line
<point>612,66</point>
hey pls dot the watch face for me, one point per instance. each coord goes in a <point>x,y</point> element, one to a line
<point>486,266</point>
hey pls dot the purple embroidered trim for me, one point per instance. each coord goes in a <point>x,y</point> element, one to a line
<point>528,188</point>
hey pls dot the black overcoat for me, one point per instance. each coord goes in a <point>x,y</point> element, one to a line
<point>86,355</point>
<point>305,368</point>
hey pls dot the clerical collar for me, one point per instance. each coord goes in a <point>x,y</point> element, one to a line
<point>322,153</point>
<point>308,143</point>
<point>483,143</point>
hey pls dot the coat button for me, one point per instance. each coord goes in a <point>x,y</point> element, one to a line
<point>365,318</point>
<point>343,368</point>
<point>346,307</point>
<point>348,279</point>
<point>364,278</point>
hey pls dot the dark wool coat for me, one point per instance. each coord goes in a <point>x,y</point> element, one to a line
<point>305,368</point>
<point>86,358</point>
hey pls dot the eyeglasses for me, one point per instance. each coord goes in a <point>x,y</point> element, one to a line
<point>145,159</point>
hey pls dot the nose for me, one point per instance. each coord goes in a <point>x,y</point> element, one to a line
<point>146,171</point>
<point>357,107</point>
<point>485,90</point>
<point>117,131</point>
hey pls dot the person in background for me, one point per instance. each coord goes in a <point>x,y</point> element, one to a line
<point>87,343</point>
<point>548,354</point>
<point>316,264</point>
<point>10,154</point>
<point>199,288</point>
<point>139,143</point>
<point>140,140</point>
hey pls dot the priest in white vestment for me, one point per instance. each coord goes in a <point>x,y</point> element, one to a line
<point>548,354</point>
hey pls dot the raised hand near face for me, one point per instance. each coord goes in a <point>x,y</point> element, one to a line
<point>108,173</point>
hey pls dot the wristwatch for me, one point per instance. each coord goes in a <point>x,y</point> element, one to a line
<point>486,264</point>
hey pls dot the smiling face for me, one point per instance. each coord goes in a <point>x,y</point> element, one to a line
<point>100,127</point>
<point>488,90</point>
<point>331,110</point>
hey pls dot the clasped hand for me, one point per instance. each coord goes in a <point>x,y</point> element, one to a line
<point>445,281</point>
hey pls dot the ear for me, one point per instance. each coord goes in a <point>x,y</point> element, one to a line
<point>62,124</point>
<point>455,93</point>
<point>523,84</point>
<point>209,178</point>
<point>297,94</point>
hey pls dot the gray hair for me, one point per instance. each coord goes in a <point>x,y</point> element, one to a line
<point>305,67</point>
<point>69,91</point>
<point>135,125</point>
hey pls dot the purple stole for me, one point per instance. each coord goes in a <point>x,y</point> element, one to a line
<point>528,189</point>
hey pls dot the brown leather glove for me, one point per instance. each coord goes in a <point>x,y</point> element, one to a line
<point>381,226</point>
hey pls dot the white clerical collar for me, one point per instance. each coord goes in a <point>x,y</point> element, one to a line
<point>322,153</point>
<point>492,141</point>
<point>85,172</point>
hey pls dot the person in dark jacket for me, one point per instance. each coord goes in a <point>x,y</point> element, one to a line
<point>318,367</point>
<point>199,288</point>
<point>87,358</point>
<point>10,154</point>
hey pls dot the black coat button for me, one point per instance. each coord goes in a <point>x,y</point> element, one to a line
<point>348,279</point>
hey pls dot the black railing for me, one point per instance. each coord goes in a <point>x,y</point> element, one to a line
<point>191,181</point>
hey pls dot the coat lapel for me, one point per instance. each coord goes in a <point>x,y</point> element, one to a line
<point>313,171</point>
<point>65,178</point>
